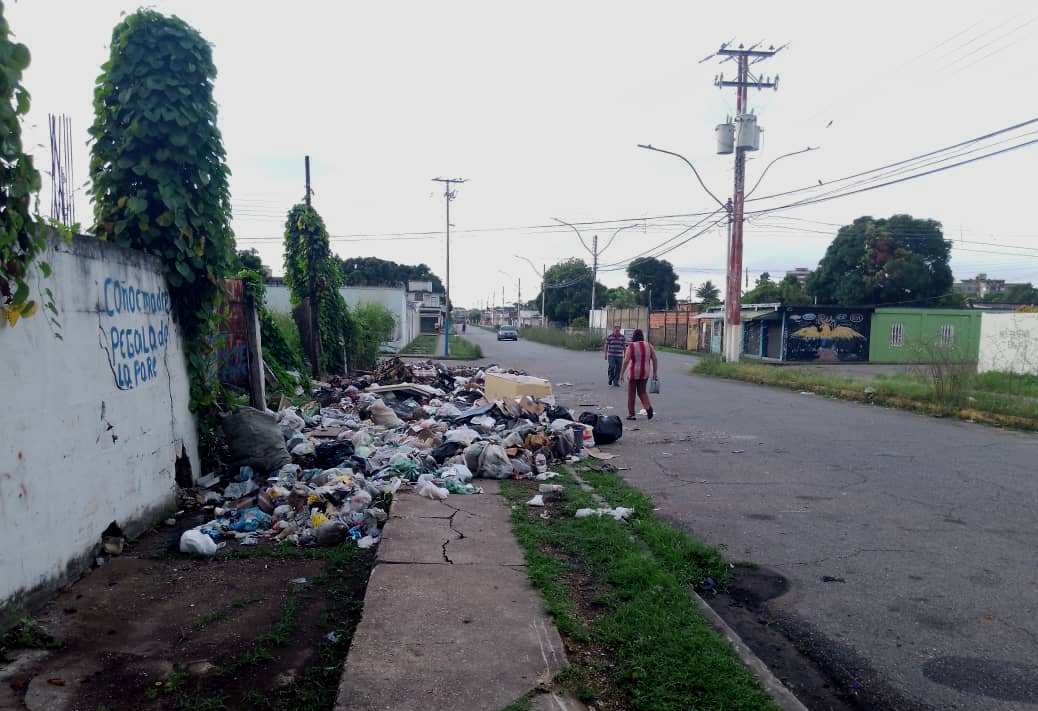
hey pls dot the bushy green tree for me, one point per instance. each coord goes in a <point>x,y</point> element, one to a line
<point>709,295</point>
<point>159,181</point>
<point>250,259</point>
<point>897,260</point>
<point>621,298</point>
<point>21,237</point>
<point>568,292</point>
<point>372,271</point>
<point>648,274</point>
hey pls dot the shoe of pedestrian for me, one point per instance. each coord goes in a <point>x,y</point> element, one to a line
<point>650,413</point>
<point>631,417</point>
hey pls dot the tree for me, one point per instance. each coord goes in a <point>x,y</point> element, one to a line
<point>764,291</point>
<point>709,295</point>
<point>621,298</point>
<point>371,271</point>
<point>648,274</point>
<point>250,259</point>
<point>899,260</point>
<point>1021,294</point>
<point>568,294</point>
<point>791,291</point>
<point>21,238</point>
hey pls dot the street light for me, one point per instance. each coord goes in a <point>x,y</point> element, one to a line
<point>518,294</point>
<point>541,273</point>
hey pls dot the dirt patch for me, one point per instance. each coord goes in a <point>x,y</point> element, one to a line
<point>155,630</point>
<point>820,675</point>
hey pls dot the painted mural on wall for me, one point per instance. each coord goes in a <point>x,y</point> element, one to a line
<point>134,331</point>
<point>827,336</point>
<point>232,349</point>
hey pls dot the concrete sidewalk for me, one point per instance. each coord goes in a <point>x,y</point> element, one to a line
<point>450,618</point>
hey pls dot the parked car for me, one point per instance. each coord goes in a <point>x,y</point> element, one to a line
<point>507,333</point>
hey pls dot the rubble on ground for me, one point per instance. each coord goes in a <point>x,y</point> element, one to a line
<point>321,473</point>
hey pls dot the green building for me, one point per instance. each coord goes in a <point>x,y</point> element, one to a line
<point>906,335</point>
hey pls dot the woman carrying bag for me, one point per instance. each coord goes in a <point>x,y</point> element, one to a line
<point>640,355</point>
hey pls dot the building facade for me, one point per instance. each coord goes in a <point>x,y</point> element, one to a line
<point>905,335</point>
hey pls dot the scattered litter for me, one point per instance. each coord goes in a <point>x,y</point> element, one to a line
<point>537,500</point>
<point>620,513</point>
<point>194,542</point>
<point>738,451</point>
<point>597,454</point>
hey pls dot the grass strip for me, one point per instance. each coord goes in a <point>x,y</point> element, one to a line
<point>980,400</point>
<point>570,339</point>
<point>666,655</point>
<point>465,349</point>
<point>421,345</point>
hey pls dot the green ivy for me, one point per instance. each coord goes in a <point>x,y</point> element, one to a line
<point>22,236</point>
<point>159,178</point>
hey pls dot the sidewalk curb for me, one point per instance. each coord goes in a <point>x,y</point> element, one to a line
<point>778,691</point>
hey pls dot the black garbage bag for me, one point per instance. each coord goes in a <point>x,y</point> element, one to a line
<point>557,412</point>
<point>332,454</point>
<point>445,451</point>
<point>589,418</point>
<point>254,439</point>
<point>608,429</point>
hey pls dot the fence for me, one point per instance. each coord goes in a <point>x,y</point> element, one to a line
<point>671,328</point>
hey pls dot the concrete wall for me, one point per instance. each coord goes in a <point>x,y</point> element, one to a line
<point>393,298</point>
<point>1009,342</point>
<point>93,422</point>
<point>902,335</point>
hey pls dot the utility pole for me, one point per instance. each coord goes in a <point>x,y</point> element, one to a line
<point>544,285</point>
<point>518,302</point>
<point>594,268</point>
<point>745,139</point>
<point>315,311</point>
<point>448,195</point>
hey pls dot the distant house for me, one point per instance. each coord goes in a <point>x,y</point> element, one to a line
<point>820,334</point>
<point>800,273</point>
<point>981,286</point>
<point>914,335</point>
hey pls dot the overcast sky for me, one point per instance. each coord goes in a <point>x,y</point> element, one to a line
<point>541,104</point>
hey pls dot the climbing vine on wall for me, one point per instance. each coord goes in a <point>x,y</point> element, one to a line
<point>21,233</point>
<point>159,178</point>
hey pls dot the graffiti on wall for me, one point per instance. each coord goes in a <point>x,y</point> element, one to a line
<point>232,350</point>
<point>135,332</point>
<point>827,337</point>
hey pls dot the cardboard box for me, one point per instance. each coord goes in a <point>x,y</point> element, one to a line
<point>503,386</point>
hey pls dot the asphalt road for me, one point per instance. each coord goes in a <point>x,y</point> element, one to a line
<point>926,529</point>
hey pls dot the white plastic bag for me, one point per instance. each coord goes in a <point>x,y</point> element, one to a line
<point>194,542</point>
<point>537,500</point>
<point>448,410</point>
<point>550,488</point>
<point>459,472</point>
<point>382,414</point>
<point>431,491</point>
<point>462,435</point>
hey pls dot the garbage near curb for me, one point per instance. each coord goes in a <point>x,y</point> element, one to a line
<point>323,473</point>
<point>620,513</point>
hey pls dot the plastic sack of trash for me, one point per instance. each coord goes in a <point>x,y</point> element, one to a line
<point>494,463</point>
<point>550,488</point>
<point>238,489</point>
<point>290,422</point>
<point>462,435</point>
<point>448,410</point>
<point>402,464</point>
<point>484,422</point>
<point>383,415</point>
<point>471,455</point>
<point>608,429</point>
<point>431,491</point>
<point>514,439</point>
<point>194,542</point>
<point>537,500</point>
<point>457,487</point>
<point>459,471</point>
<point>251,519</point>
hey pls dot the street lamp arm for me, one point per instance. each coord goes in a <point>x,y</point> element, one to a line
<point>525,259</point>
<point>650,147</point>
<point>768,166</point>
<point>579,236</point>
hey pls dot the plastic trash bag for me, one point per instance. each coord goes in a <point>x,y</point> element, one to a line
<point>303,449</point>
<point>431,491</point>
<point>484,422</point>
<point>545,476</point>
<point>194,542</point>
<point>494,463</point>
<point>514,439</point>
<point>254,438</point>
<point>537,500</point>
<point>472,454</point>
<point>608,429</point>
<point>381,414</point>
<point>238,489</point>
<point>251,519</point>
<point>448,410</point>
<point>620,513</point>
<point>460,472</point>
<point>445,451</point>
<point>550,488</point>
<point>462,435</point>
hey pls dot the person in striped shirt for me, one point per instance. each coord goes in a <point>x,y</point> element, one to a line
<point>639,354</point>
<point>614,354</point>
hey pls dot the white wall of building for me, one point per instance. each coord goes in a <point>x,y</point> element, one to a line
<point>393,298</point>
<point>93,422</point>
<point>1008,342</point>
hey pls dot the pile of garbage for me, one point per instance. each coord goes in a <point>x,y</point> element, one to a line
<point>322,473</point>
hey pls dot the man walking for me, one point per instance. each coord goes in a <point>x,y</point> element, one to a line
<point>613,351</point>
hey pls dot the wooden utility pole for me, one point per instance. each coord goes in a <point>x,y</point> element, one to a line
<point>448,195</point>
<point>315,311</point>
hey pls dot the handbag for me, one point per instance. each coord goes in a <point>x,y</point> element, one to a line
<point>654,386</point>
